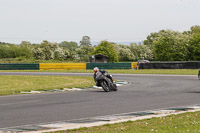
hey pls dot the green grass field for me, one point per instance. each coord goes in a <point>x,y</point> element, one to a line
<point>182,123</point>
<point>15,84</point>
<point>145,71</point>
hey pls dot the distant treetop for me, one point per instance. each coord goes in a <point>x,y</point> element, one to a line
<point>85,41</point>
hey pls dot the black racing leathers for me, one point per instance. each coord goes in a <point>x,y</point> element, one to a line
<point>104,73</point>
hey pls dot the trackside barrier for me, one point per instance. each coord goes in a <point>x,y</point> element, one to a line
<point>171,65</point>
<point>109,65</point>
<point>17,66</point>
<point>62,66</point>
<point>134,65</point>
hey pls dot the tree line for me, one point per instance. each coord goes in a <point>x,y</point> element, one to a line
<point>165,45</point>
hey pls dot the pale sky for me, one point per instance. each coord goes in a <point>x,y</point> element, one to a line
<point>112,20</point>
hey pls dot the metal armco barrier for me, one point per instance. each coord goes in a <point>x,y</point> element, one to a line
<point>62,66</point>
<point>109,65</point>
<point>19,66</point>
<point>170,65</point>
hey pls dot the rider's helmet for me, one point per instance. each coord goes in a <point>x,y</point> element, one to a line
<point>96,69</point>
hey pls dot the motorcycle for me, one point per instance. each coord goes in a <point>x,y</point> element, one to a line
<point>199,74</point>
<point>105,82</point>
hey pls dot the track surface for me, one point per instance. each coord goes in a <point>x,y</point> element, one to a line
<point>145,92</point>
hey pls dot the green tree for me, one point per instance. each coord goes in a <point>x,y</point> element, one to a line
<point>69,45</point>
<point>24,52</point>
<point>83,52</point>
<point>4,51</point>
<point>171,46</point>
<point>13,51</point>
<point>38,53</point>
<point>124,52</point>
<point>49,51</point>
<point>26,49</point>
<point>194,47</point>
<point>26,44</point>
<point>195,29</point>
<point>85,41</point>
<point>107,49</point>
<point>70,48</point>
<point>141,52</point>
<point>151,38</point>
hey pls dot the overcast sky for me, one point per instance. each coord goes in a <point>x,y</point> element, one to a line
<point>112,20</point>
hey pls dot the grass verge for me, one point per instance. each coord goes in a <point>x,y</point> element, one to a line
<point>182,123</point>
<point>145,71</point>
<point>15,84</point>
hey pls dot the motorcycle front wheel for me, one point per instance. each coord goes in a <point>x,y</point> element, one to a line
<point>114,87</point>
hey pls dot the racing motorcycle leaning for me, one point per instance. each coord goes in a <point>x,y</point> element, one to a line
<point>106,82</point>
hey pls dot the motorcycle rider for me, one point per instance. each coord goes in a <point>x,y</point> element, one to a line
<point>96,70</point>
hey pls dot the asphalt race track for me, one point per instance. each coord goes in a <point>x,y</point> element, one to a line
<point>145,92</point>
